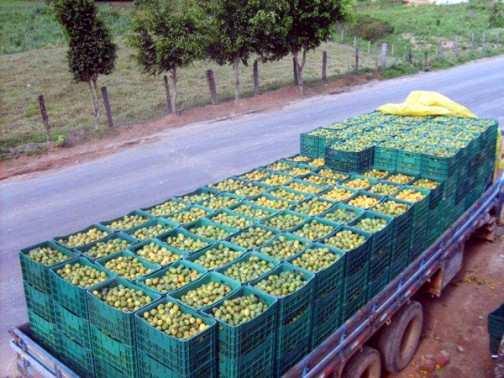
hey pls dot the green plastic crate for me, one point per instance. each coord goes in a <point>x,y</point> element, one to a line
<point>349,309</point>
<point>73,326</point>
<point>179,357</point>
<point>35,274</point>
<point>353,212</point>
<point>77,357</point>
<point>186,234</point>
<point>327,316</point>
<point>348,161</point>
<point>302,218</point>
<point>107,224</point>
<point>72,297</point>
<point>355,287</point>
<point>45,332</point>
<point>61,240</point>
<point>439,168</point>
<point>244,258</point>
<point>116,235</point>
<point>112,358</point>
<point>39,302</point>
<point>385,159</point>
<point>381,239</point>
<point>111,321</point>
<point>127,253</point>
<point>230,231</point>
<point>166,223</point>
<point>409,163</point>
<point>378,283</point>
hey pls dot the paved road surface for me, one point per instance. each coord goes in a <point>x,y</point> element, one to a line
<point>66,200</point>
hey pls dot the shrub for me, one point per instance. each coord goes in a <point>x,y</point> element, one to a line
<point>371,28</point>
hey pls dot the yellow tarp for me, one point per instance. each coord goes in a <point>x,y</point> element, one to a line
<point>427,103</point>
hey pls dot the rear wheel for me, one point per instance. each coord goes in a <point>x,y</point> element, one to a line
<point>399,341</point>
<point>365,364</point>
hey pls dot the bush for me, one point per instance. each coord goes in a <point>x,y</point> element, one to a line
<point>371,29</point>
<point>496,19</point>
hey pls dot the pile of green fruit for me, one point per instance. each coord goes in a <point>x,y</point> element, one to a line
<point>279,166</point>
<point>282,284</point>
<point>210,231</point>
<point>299,171</point>
<point>357,183</point>
<point>190,215</point>
<point>194,198</point>
<point>410,195</point>
<point>377,174</point>
<point>206,294</point>
<point>47,256</point>
<point>127,266</point>
<point>320,180</point>
<point>304,187</point>
<point>283,248</point>
<point>150,232</point>
<point>123,298</point>
<point>327,172</point>
<point>84,238</point>
<point>315,259</point>
<point>219,202</point>
<point>231,220</point>
<point>300,159</point>
<point>253,212</point>
<point>127,222</point>
<point>426,184</point>
<point>341,215</point>
<point>102,249</point>
<point>248,269</point>
<point>240,309</point>
<point>288,195</point>
<point>170,319</point>
<point>271,203</point>
<point>345,240</point>
<point>185,243</point>
<point>255,175</point>
<point>392,208</point>
<point>364,202</point>
<point>276,180</point>
<point>252,237</point>
<point>337,194</point>
<point>157,254</point>
<point>228,185</point>
<point>173,278</point>
<point>313,207</point>
<point>284,221</point>
<point>81,275</point>
<point>314,230</point>
<point>167,208</point>
<point>248,190</point>
<point>400,178</point>
<point>217,256</point>
<point>371,225</point>
<point>384,189</point>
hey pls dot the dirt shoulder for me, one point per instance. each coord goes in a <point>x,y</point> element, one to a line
<point>128,136</point>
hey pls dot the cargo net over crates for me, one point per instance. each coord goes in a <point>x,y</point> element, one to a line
<point>243,277</point>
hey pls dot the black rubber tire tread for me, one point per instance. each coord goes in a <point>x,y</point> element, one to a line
<point>365,364</point>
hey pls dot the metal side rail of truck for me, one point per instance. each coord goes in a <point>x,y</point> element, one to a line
<point>345,352</point>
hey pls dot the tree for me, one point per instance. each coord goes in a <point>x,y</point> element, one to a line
<point>91,50</point>
<point>168,34</point>
<point>300,26</point>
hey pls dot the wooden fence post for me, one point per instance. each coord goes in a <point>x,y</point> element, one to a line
<point>108,109</point>
<point>426,59</point>
<point>169,107</point>
<point>45,117</point>
<point>342,34</point>
<point>295,72</point>
<point>369,47</point>
<point>255,75</point>
<point>410,55</point>
<point>383,55</point>
<point>211,86</point>
<point>357,59</point>
<point>324,66</point>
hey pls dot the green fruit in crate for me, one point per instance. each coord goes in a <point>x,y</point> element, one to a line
<point>304,187</point>
<point>194,198</point>
<point>228,185</point>
<point>249,190</point>
<point>392,208</point>
<point>314,230</point>
<point>151,232</point>
<point>301,159</point>
<point>284,221</point>
<point>341,215</point>
<point>123,298</point>
<point>170,319</point>
<point>252,212</point>
<point>299,171</point>
<point>255,175</point>
<point>345,240</point>
<point>282,284</point>
<point>127,266</point>
<point>364,202</point>
<point>107,248</point>
<point>410,195</point>
<point>317,163</point>
<point>84,238</point>
<point>252,237</point>
<point>276,180</point>
<point>157,254</point>
<point>81,275</point>
<point>217,256</point>
<point>216,203</point>
<point>248,269</point>
<point>191,215</point>
<point>426,184</point>
<point>371,225</point>
<point>279,166</point>
<point>47,256</point>
<point>210,232</point>
<point>283,248</point>
<point>185,243</point>
<point>326,172</point>
<point>358,184</point>
<point>375,173</point>
<point>276,204</point>
<point>320,180</point>
<point>315,259</point>
<point>167,208</point>
<point>231,220</point>
<point>240,310</point>
<point>313,207</point>
<point>205,294</point>
<point>173,278</point>
<point>287,195</point>
<point>337,194</point>
<point>400,179</point>
<point>127,222</point>
<point>384,189</point>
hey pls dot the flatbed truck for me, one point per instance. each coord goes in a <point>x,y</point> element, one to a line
<point>392,317</point>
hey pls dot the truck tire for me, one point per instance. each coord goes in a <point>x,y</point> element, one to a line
<point>399,341</point>
<point>365,364</point>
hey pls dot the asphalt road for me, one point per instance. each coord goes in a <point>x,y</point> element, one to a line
<point>36,208</point>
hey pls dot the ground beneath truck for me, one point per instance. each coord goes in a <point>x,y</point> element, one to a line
<point>455,339</point>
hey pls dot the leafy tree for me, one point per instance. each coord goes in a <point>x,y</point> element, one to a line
<point>91,50</point>
<point>168,34</point>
